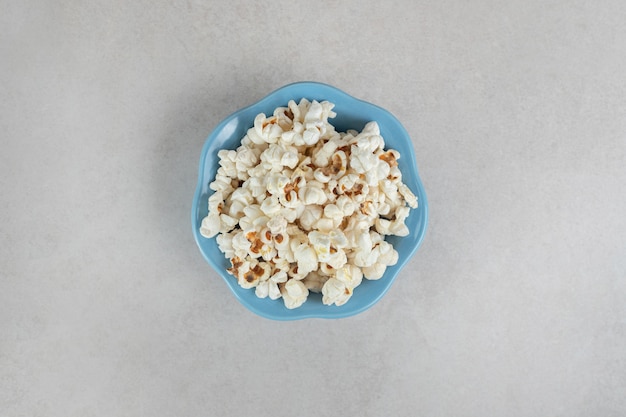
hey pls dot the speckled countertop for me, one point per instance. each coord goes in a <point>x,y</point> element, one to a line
<point>514,305</point>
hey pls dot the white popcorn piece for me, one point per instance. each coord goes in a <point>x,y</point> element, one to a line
<point>322,157</point>
<point>297,237</point>
<point>290,214</point>
<point>277,224</point>
<point>290,158</point>
<point>270,287</point>
<point>385,255</point>
<point>300,176</point>
<point>294,293</point>
<point>379,172</point>
<point>314,282</point>
<point>338,239</point>
<point>255,187</point>
<point>265,130</point>
<point>383,226</point>
<point>216,202</point>
<point>271,206</point>
<point>249,274</point>
<point>290,199</point>
<point>257,247</point>
<point>242,195</point>
<point>311,136</point>
<point>368,209</point>
<point>335,292</point>
<point>306,259</point>
<point>408,195</point>
<point>361,159</point>
<point>346,205</point>
<point>313,113</point>
<point>276,183</point>
<point>337,258</point>
<point>271,158</point>
<point>222,183</point>
<point>210,225</point>
<point>227,223</point>
<point>363,251</point>
<point>395,175</point>
<point>255,133</point>
<point>241,245</point>
<point>266,236</point>
<point>320,175</point>
<point>350,275</point>
<point>375,271</point>
<point>298,109</point>
<point>338,165</point>
<point>288,137</point>
<point>310,215</point>
<point>371,128</point>
<point>390,190</point>
<point>331,211</point>
<point>346,183</point>
<point>281,264</point>
<point>397,226</point>
<point>268,252</point>
<point>281,241</point>
<point>294,273</point>
<point>324,224</point>
<point>376,238</point>
<point>388,255</point>
<point>246,158</point>
<point>383,208</point>
<point>326,270</point>
<point>390,156</point>
<point>312,195</point>
<point>225,244</point>
<point>227,162</point>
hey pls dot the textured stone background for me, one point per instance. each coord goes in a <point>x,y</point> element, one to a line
<point>514,305</point>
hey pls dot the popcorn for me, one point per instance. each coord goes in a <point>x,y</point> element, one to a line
<point>311,214</point>
<point>322,157</point>
<point>210,225</point>
<point>397,226</point>
<point>385,255</point>
<point>345,205</point>
<point>225,244</point>
<point>294,293</point>
<point>277,225</point>
<point>331,211</point>
<point>227,223</point>
<point>222,183</point>
<point>270,287</point>
<point>249,273</point>
<point>312,195</point>
<point>300,207</point>
<point>350,275</point>
<point>306,258</point>
<point>361,159</point>
<point>336,292</point>
<point>408,195</point>
<point>271,206</point>
<point>314,282</point>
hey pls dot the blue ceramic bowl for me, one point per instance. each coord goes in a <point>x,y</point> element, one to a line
<point>351,114</point>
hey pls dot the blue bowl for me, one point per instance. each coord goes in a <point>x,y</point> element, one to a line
<point>352,113</point>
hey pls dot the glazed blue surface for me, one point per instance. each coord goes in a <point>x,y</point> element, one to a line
<point>351,114</point>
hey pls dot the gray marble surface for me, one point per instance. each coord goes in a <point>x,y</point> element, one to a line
<point>514,305</point>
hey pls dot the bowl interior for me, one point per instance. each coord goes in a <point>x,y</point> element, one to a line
<point>351,114</point>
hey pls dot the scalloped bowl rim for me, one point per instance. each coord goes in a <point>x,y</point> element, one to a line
<point>271,309</point>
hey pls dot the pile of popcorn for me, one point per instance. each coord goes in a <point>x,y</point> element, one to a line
<point>300,207</point>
